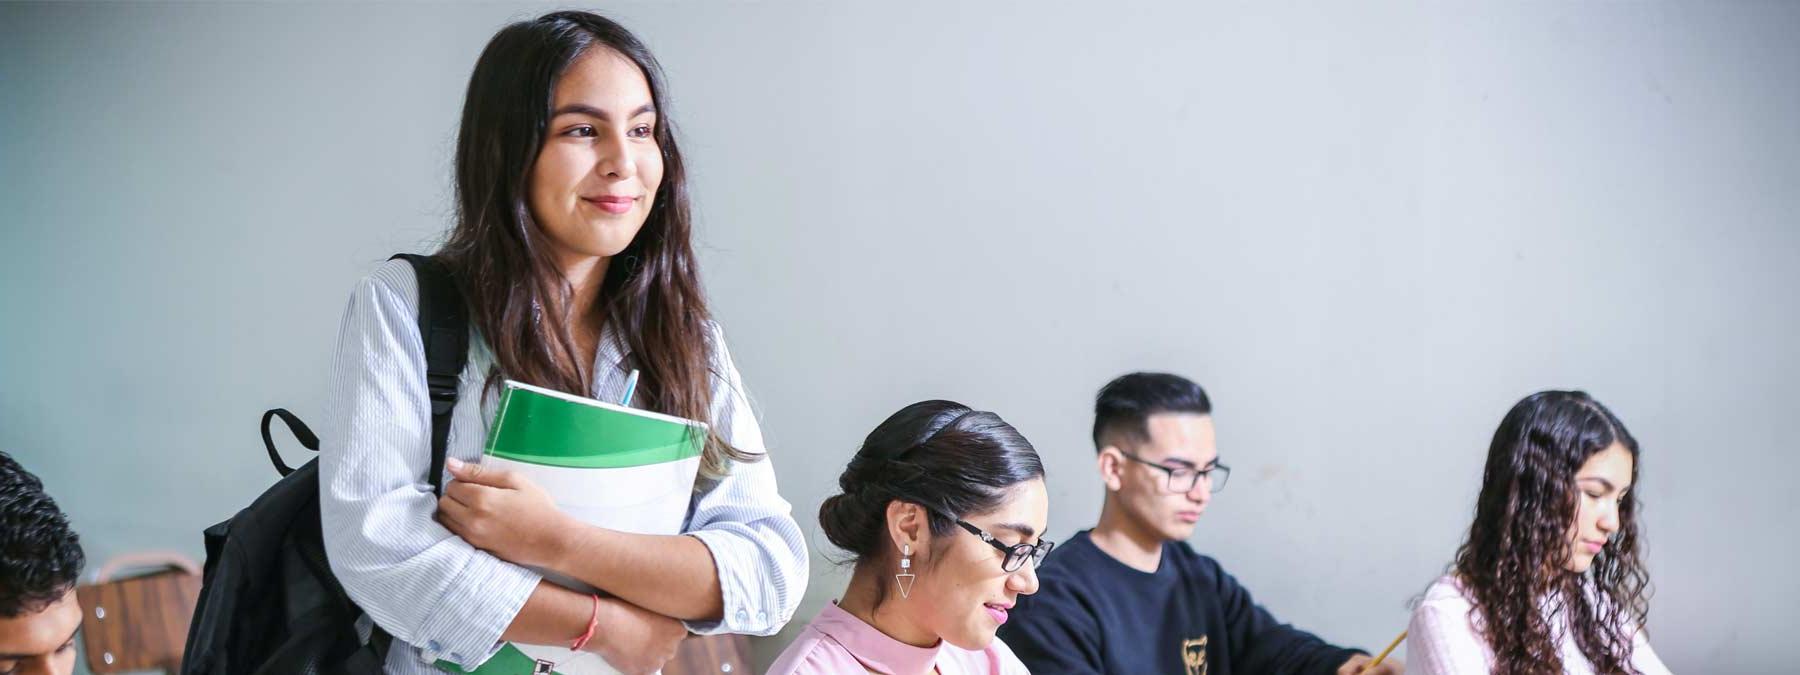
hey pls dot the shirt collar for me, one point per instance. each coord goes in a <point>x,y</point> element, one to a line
<point>874,648</point>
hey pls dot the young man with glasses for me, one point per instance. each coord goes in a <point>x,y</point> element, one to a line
<point>1130,595</point>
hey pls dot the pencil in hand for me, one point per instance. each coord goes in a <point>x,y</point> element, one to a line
<point>1384,653</point>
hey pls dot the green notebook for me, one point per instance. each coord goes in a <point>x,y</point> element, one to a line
<point>611,466</point>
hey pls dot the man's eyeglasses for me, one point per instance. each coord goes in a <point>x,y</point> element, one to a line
<point>1184,479</point>
<point>1016,554</point>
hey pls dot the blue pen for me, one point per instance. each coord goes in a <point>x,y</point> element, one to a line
<point>630,388</point>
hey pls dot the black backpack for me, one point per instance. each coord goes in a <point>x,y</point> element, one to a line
<point>269,603</point>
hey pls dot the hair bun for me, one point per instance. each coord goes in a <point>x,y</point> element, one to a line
<point>850,524</point>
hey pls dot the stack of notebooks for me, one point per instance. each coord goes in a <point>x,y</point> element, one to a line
<point>608,465</point>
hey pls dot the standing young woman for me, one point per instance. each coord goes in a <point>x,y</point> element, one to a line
<point>1550,579</point>
<point>572,251</point>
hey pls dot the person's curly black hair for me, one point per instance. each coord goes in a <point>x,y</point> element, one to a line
<point>1512,564</point>
<point>40,557</point>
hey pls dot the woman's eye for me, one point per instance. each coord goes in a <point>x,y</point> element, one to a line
<point>641,131</point>
<point>580,132</point>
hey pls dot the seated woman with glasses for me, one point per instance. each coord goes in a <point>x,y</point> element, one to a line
<point>941,511</point>
<point>1550,579</point>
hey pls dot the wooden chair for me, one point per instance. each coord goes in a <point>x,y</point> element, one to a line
<point>711,655</point>
<point>139,622</point>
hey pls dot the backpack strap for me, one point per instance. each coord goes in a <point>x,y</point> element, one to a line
<point>307,438</point>
<point>444,327</point>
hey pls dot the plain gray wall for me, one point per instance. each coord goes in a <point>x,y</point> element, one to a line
<point>1367,228</point>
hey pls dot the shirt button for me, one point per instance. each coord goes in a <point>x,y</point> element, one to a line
<point>429,653</point>
<point>762,617</point>
<point>742,616</point>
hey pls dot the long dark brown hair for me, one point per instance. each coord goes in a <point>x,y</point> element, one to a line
<point>1513,565</point>
<point>651,296</point>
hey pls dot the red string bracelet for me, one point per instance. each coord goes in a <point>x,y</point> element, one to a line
<point>593,622</point>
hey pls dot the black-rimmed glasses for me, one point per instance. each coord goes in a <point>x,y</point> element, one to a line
<point>1016,554</point>
<point>1183,479</point>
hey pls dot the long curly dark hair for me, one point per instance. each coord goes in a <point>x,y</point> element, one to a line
<point>651,294</point>
<point>1513,565</point>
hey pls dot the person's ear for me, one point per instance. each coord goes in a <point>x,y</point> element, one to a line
<point>908,527</point>
<point>1111,463</point>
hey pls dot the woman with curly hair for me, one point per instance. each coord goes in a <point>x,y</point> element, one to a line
<point>1550,579</point>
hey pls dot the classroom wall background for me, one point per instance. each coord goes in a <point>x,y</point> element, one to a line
<point>1366,228</point>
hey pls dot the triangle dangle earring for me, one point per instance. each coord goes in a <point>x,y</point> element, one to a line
<point>905,578</point>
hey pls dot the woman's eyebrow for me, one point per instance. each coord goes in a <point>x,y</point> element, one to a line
<point>591,111</point>
<point>1024,530</point>
<point>1603,481</point>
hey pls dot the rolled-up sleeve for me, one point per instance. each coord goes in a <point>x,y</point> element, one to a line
<point>755,543</point>
<point>418,581</point>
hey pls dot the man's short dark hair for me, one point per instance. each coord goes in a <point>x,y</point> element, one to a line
<point>1123,405</point>
<point>40,557</point>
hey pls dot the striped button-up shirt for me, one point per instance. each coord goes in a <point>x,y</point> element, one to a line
<point>442,598</point>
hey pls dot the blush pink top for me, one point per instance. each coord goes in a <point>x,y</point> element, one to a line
<point>837,642</point>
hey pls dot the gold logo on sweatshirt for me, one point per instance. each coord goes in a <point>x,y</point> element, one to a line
<point>1193,655</point>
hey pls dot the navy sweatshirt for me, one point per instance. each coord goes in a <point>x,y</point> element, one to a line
<point>1094,614</point>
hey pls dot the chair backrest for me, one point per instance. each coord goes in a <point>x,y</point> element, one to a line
<point>138,622</point>
<point>711,655</point>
